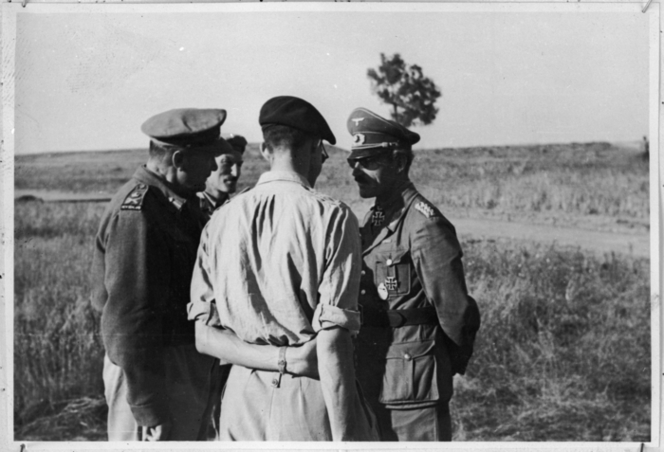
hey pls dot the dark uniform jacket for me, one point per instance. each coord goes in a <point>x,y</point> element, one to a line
<point>419,322</point>
<point>144,258</point>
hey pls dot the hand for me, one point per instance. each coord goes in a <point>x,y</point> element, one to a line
<point>160,432</point>
<point>303,360</point>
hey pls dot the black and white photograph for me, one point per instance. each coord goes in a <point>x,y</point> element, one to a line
<point>364,223</point>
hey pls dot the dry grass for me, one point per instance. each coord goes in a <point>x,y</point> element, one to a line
<point>563,353</point>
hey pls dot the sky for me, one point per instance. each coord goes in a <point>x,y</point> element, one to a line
<point>87,81</point>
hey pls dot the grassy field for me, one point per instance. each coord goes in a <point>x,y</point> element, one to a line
<point>564,350</point>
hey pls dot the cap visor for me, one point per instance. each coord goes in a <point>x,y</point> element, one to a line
<point>361,153</point>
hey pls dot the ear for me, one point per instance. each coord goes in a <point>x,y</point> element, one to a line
<point>401,162</point>
<point>178,159</point>
<point>265,152</point>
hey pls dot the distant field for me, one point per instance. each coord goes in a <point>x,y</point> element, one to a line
<point>595,180</point>
<point>564,350</point>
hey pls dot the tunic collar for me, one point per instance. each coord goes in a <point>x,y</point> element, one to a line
<point>283,176</point>
<point>152,179</point>
<point>398,199</point>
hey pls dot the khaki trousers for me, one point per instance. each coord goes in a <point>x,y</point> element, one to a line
<point>252,409</point>
<point>190,387</point>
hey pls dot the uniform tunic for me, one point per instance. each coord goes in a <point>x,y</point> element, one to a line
<point>145,251</point>
<point>412,261</point>
<point>276,265</point>
<point>208,204</point>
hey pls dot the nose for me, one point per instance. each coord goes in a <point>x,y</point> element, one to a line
<point>235,170</point>
<point>355,168</point>
<point>213,165</point>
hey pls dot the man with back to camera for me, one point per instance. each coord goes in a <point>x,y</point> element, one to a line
<point>222,183</point>
<point>280,266</point>
<point>419,323</point>
<point>157,386</point>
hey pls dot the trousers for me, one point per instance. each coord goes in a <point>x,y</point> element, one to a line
<point>432,423</point>
<point>253,409</point>
<point>190,387</point>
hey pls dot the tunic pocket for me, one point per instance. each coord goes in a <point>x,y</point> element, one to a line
<point>392,273</point>
<point>410,374</point>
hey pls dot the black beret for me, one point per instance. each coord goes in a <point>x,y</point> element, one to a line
<point>296,113</point>
<point>372,133</point>
<point>186,127</point>
<point>238,142</point>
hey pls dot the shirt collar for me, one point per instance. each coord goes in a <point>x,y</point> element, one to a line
<point>214,202</point>
<point>283,176</point>
<point>148,177</point>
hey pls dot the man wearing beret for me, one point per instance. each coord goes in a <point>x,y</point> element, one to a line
<point>157,386</point>
<point>280,266</point>
<point>419,322</point>
<point>222,183</point>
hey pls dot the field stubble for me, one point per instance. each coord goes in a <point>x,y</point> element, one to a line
<point>564,349</point>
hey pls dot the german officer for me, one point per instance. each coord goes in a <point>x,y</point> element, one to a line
<point>419,322</point>
<point>157,386</point>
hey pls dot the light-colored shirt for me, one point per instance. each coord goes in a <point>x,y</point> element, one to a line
<point>278,263</point>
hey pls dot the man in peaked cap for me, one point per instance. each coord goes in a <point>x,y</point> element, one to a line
<point>286,273</point>
<point>419,322</point>
<point>157,386</point>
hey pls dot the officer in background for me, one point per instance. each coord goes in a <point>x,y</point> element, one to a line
<point>157,386</point>
<point>223,181</point>
<point>238,142</point>
<point>419,322</point>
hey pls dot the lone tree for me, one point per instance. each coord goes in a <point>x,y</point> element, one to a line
<point>411,94</point>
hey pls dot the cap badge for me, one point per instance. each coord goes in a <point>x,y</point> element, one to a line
<point>357,121</point>
<point>358,138</point>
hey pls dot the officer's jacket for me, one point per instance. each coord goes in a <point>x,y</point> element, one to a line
<point>412,263</point>
<point>145,251</point>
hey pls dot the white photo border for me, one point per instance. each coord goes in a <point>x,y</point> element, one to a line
<point>10,12</point>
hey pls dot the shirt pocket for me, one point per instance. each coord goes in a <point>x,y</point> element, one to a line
<point>410,374</point>
<point>392,272</point>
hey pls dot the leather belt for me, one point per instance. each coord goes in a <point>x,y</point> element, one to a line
<point>395,318</point>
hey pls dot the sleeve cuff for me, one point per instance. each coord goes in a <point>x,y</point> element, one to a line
<point>327,316</point>
<point>204,311</point>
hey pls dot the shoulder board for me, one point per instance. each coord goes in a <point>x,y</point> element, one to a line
<point>425,209</point>
<point>134,200</point>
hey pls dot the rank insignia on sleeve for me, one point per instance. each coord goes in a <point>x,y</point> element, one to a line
<point>426,209</point>
<point>134,200</point>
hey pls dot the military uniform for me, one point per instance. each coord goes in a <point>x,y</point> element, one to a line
<point>419,322</point>
<point>208,204</point>
<point>145,252</point>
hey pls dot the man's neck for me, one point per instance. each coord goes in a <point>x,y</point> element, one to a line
<point>285,162</point>
<point>395,190</point>
<point>168,176</point>
<point>218,196</point>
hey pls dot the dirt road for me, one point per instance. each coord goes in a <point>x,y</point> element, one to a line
<point>637,244</point>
